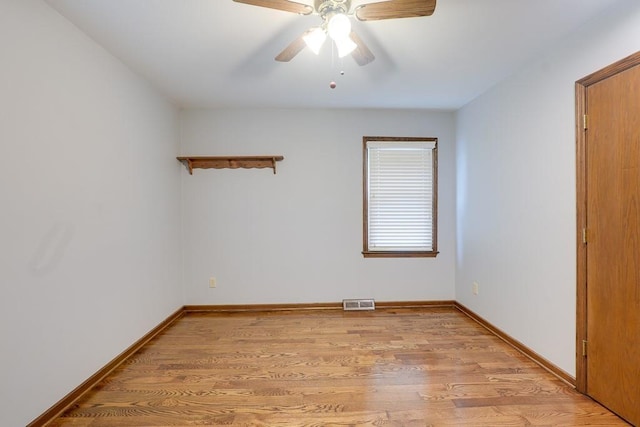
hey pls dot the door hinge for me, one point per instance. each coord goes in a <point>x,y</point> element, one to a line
<point>584,121</point>
<point>584,348</point>
<point>584,235</point>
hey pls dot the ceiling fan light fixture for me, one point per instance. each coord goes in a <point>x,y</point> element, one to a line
<point>345,46</point>
<point>315,39</point>
<point>339,27</point>
<point>336,22</point>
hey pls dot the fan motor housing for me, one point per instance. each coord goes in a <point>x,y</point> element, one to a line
<point>324,7</point>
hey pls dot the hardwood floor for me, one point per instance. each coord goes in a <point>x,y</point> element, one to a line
<point>404,367</point>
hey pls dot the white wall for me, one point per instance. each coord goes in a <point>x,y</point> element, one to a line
<point>296,237</point>
<point>516,196</point>
<point>90,216</point>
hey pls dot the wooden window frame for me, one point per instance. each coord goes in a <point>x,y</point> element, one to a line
<point>366,252</point>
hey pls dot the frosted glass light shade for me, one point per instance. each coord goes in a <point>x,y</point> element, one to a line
<point>315,39</point>
<point>339,27</point>
<point>345,46</point>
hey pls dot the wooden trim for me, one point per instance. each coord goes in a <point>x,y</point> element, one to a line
<point>238,308</point>
<point>365,196</point>
<point>399,254</point>
<point>434,205</point>
<point>581,248</point>
<point>546,364</point>
<point>581,87</point>
<point>229,162</point>
<point>415,304</point>
<point>611,70</point>
<point>250,308</point>
<point>93,380</point>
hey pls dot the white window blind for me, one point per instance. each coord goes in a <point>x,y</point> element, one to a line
<point>400,195</point>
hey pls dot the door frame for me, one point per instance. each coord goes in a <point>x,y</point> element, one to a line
<point>582,125</point>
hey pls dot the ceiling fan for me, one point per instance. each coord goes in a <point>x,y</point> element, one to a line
<point>336,23</point>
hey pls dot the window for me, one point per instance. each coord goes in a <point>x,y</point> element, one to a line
<point>400,197</point>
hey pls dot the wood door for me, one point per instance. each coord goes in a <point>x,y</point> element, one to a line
<point>612,249</point>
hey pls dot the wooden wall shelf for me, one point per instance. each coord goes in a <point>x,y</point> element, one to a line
<point>230,162</point>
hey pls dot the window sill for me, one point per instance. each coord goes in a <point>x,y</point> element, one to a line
<point>399,254</point>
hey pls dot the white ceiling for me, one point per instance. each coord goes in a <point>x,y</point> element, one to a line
<point>218,53</point>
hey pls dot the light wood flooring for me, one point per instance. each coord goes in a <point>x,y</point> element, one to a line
<point>422,367</point>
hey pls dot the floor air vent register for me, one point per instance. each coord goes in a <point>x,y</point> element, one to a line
<point>358,304</point>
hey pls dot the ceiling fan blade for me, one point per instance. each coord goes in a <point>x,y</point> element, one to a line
<point>361,54</point>
<point>286,5</point>
<point>294,48</point>
<point>392,9</point>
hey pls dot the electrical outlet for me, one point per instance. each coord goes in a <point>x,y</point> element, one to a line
<point>475,288</point>
<point>212,282</point>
